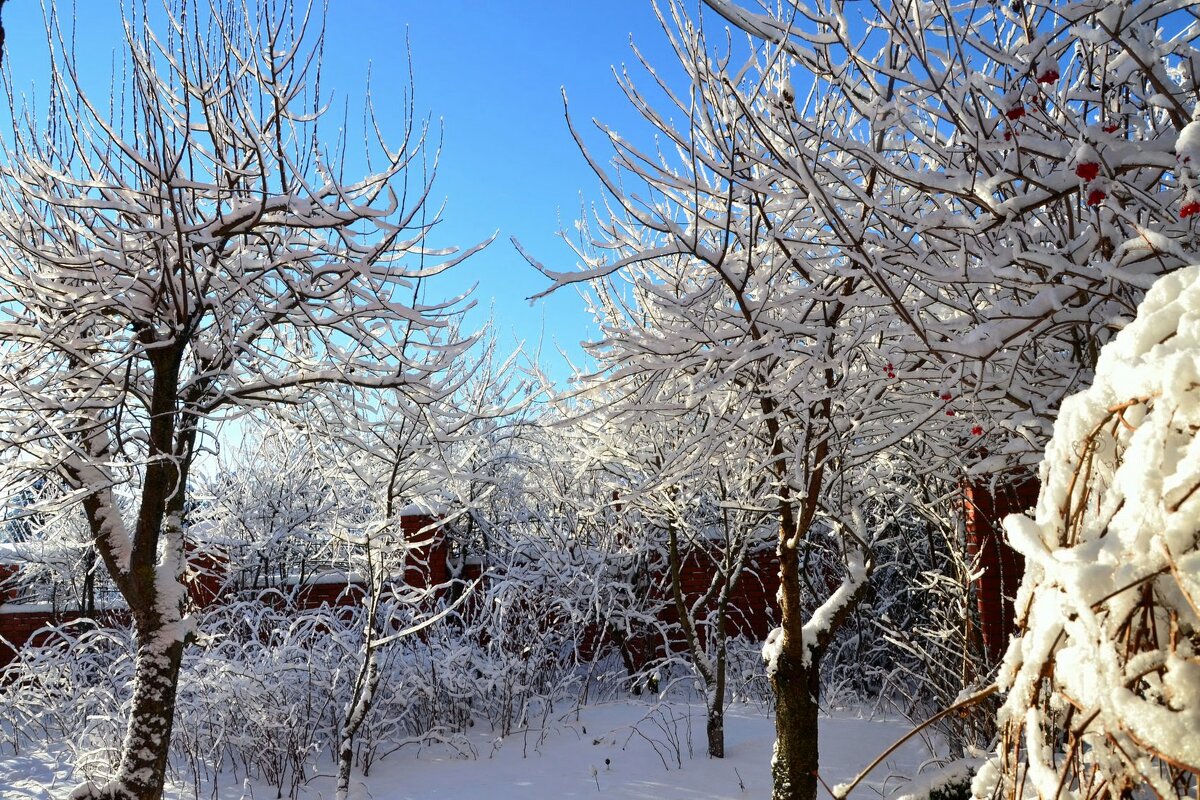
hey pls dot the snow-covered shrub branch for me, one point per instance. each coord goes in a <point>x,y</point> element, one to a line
<point>1104,680</point>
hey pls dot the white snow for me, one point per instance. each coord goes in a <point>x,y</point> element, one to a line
<point>1187,146</point>
<point>1113,544</point>
<point>857,572</point>
<point>637,739</point>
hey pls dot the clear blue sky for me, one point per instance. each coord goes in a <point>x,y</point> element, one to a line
<point>495,72</point>
<point>492,73</point>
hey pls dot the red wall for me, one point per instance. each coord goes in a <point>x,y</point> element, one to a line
<point>752,609</point>
<point>1001,566</point>
<point>20,628</point>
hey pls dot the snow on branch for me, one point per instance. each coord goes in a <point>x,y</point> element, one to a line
<point>1103,681</point>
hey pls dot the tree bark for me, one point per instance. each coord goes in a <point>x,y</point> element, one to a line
<point>796,682</point>
<point>356,712</point>
<point>715,729</point>
<point>714,678</point>
<point>795,762</point>
<point>143,768</point>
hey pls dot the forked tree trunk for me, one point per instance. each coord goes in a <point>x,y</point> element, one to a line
<point>150,582</point>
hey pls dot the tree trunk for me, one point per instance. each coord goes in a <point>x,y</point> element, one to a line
<point>796,677</point>
<point>715,729</point>
<point>797,691</point>
<point>147,740</point>
<point>716,691</point>
<point>357,709</point>
<point>87,602</point>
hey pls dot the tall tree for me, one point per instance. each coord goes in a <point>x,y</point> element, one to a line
<point>715,295</point>
<point>1007,178</point>
<point>189,248</point>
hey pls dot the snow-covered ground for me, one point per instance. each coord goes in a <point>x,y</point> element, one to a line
<point>620,750</point>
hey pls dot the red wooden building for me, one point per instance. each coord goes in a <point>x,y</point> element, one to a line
<point>433,563</point>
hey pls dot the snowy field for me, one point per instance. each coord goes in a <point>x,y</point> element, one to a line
<point>620,750</point>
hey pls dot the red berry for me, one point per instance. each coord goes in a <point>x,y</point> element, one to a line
<point>947,396</point>
<point>1088,170</point>
<point>1049,76</point>
<point>977,430</point>
<point>949,412</point>
<point>1096,197</point>
<point>890,367</point>
<point>1007,136</point>
<point>1189,210</point>
<point>1110,128</point>
<point>1016,112</point>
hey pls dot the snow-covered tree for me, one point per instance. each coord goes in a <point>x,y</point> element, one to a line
<point>1008,176</point>
<point>263,510</point>
<point>1103,681</point>
<point>402,454</point>
<point>185,249</point>
<point>682,516</point>
<point>1002,181</point>
<point>718,295</point>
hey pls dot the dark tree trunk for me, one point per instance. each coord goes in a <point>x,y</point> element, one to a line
<point>713,676</point>
<point>715,729</point>
<point>150,583</point>
<point>797,692</point>
<point>144,760</point>
<point>88,601</point>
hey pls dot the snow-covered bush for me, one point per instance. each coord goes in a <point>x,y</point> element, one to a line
<point>526,653</point>
<point>1104,681</point>
<point>71,690</point>
<point>261,697</point>
<point>921,622</point>
<point>748,682</point>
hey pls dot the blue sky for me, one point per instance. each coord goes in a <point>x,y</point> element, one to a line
<point>492,74</point>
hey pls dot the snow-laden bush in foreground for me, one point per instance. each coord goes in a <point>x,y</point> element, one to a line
<point>1104,680</point>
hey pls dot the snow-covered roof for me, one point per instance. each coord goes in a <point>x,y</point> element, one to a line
<point>426,507</point>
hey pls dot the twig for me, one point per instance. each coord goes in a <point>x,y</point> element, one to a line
<point>840,792</point>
